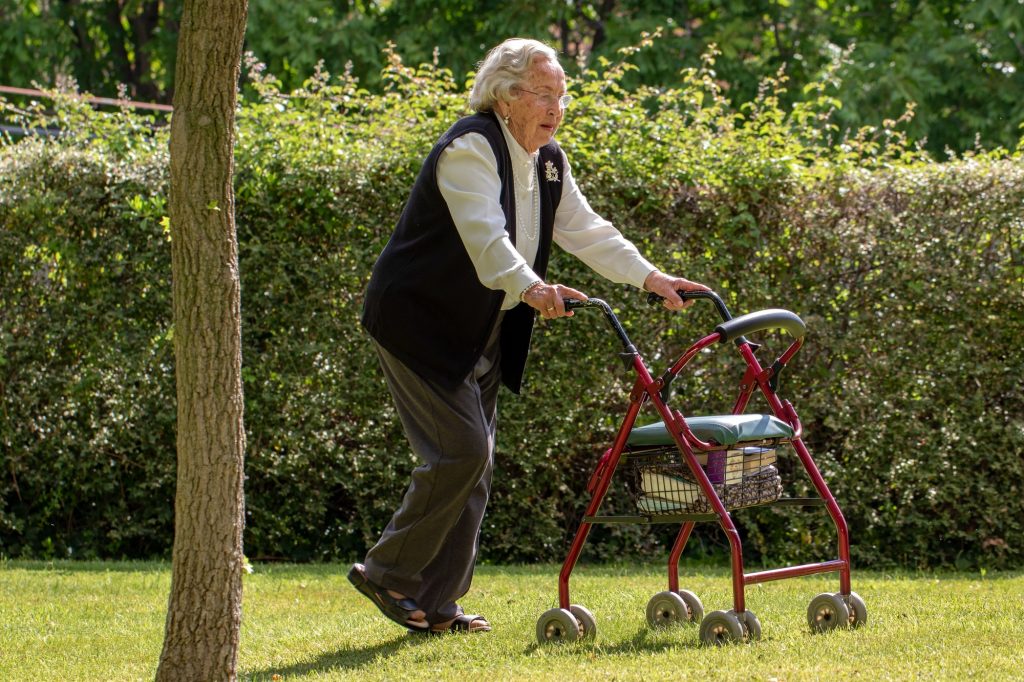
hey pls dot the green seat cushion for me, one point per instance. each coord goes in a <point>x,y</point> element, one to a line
<point>725,429</point>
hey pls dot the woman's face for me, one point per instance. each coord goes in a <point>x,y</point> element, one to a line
<point>535,114</point>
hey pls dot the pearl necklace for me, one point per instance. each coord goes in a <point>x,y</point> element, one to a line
<point>535,195</point>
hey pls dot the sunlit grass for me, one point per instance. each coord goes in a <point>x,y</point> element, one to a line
<point>104,621</point>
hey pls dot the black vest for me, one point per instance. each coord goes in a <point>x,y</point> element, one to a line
<point>424,303</point>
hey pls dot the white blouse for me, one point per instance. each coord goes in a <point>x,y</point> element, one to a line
<point>467,176</point>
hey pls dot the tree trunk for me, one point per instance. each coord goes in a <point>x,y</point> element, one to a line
<point>205,606</point>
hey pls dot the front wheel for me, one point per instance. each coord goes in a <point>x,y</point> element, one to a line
<point>858,610</point>
<point>827,612</point>
<point>557,625</point>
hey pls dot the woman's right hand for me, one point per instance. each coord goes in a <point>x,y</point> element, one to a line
<point>547,299</point>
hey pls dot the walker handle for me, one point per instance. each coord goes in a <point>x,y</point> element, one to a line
<point>723,311</point>
<point>653,299</point>
<point>629,349</point>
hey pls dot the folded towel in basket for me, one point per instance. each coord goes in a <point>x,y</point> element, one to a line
<point>654,505</point>
<point>663,493</point>
<point>668,487</point>
<point>729,467</point>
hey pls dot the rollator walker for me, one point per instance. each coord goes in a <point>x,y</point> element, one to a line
<point>690,469</point>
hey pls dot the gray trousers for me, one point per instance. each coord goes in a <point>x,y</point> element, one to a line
<point>428,550</point>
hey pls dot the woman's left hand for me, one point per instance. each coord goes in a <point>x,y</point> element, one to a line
<point>666,286</point>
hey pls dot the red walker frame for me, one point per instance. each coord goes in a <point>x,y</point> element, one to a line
<point>647,388</point>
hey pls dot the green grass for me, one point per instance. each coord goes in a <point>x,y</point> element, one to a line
<point>104,621</point>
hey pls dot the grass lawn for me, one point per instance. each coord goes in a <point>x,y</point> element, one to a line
<point>104,621</point>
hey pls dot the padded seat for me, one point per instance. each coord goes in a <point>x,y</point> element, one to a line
<point>726,429</point>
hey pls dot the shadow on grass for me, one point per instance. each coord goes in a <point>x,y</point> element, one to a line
<point>643,641</point>
<point>342,659</point>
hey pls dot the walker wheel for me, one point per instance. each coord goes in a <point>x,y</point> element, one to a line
<point>557,625</point>
<point>586,621</point>
<point>666,609</point>
<point>751,626</point>
<point>693,605</point>
<point>720,628</point>
<point>827,612</point>
<point>858,610</point>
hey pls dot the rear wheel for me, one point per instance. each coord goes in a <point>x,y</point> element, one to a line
<point>667,609</point>
<point>751,626</point>
<point>720,628</point>
<point>585,619</point>
<point>557,625</point>
<point>693,605</point>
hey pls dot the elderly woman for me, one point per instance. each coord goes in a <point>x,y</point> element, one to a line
<point>451,305</point>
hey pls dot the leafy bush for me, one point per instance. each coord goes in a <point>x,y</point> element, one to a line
<point>87,385</point>
<point>908,273</point>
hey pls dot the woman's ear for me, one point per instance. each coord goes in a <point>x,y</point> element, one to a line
<point>504,111</point>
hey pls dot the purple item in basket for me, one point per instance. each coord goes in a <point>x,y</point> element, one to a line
<point>715,467</point>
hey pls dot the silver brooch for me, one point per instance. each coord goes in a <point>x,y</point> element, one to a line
<point>550,172</point>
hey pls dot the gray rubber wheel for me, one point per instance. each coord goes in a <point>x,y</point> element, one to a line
<point>694,606</point>
<point>858,610</point>
<point>827,612</point>
<point>667,609</point>
<point>751,626</point>
<point>586,621</point>
<point>720,628</point>
<point>557,625</point>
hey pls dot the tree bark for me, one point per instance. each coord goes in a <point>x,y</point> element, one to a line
<point>205,605</point>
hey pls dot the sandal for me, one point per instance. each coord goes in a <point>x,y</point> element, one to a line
<point>463,624</point>
<point>398,610</point>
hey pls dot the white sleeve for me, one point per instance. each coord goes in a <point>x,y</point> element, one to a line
<point>467,176</point>
<point>594,240</point>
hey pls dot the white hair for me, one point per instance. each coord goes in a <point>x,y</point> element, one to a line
<point>505,67</point>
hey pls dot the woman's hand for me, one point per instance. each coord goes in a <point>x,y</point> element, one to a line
<point>666,286</point>
<point>547,299</point>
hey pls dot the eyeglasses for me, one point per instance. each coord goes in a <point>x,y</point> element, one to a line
<point>563,102</point>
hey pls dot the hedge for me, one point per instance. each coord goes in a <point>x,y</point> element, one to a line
<point>908,273</point>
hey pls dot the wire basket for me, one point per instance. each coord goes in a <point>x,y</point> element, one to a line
<point>742,477</point>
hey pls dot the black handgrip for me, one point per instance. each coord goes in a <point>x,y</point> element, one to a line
<point>653,298</point>
<point>573,303</point>
<point>772,318</point>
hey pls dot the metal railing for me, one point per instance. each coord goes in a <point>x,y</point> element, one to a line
<point>22,131</point>
<point>105,101</point>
